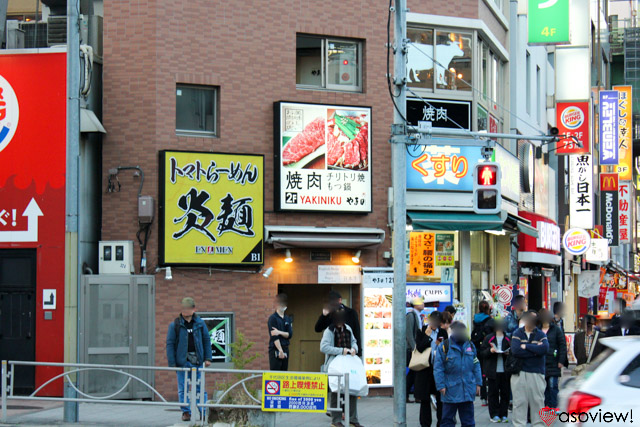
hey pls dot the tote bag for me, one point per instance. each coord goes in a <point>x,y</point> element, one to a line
<point>357,376</point>
<point>420,361</point>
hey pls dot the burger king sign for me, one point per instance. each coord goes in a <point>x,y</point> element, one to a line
<point>573,121</point>
<point>576,241</point>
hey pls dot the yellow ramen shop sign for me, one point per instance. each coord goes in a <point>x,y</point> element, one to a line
<point>211,208</point>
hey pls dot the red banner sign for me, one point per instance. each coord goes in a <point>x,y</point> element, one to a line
<point>572,120</point>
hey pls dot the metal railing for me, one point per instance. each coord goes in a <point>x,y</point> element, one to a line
<point>194,386</point>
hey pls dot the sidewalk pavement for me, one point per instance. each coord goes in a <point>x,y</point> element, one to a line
<point>373,412</point>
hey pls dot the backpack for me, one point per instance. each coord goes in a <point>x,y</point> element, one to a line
<point>479,332</point>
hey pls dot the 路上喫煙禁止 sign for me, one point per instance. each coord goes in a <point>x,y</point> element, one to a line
<point>294,392</point>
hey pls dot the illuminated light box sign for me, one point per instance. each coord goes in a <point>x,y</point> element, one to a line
<point>322,157</point>
<point>548,21</point>
<point>441,167</point>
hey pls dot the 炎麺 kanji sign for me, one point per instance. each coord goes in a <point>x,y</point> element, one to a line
<point>211,208</point>
<point>624,211</point>
<point>581,191</point>
<point>422,256</point>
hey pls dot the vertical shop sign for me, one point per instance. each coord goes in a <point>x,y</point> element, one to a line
<point>624,211</point>
<point>33,120</point>
<point>581,205</point>
<point>322,157</point>
<point>625,144</point>
<point>548,22</point>
<point>444,250</point>
<point>572,119</point>
<point>422,254</point>
<point>609,207</point>
<point>377,340</point>
<point>609,127</point>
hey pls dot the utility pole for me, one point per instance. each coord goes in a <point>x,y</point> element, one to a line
<point>398,141</point>
<point>71,301</point>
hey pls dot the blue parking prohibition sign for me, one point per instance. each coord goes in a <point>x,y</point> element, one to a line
<point>272,387</point>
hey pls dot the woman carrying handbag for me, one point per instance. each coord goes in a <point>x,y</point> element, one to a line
<point>427,340</point>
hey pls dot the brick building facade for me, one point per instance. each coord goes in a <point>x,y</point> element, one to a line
<point>248,51</point>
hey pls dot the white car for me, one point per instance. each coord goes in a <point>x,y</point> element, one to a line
<point>608,390</point>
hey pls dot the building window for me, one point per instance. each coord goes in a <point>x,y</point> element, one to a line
<point>221,327</point>
<point>448,68</point>
<point>541,93</point>
<point>196,110</point>
<point>324,63</point>
<point>528,83</point>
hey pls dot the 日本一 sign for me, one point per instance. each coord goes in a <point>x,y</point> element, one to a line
<point>624,211</point>
<point>581,205</point>
<point>548,21</point>
<point>322,157</point>
<point>625,144</point>
<point>572,120</point>
<point>211,208</point>
<point>609,207</point>
<point>441,167</point>
<point>609,127</point>
<point>294,392</point>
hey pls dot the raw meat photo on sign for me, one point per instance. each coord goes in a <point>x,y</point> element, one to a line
<point>323,157</point>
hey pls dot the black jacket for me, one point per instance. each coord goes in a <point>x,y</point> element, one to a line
<point>581,352</point>
<point>616,331</point>
<point>557,352</point>
<point>425,384</point>
<point>490,360</point>
<point>353,320</point>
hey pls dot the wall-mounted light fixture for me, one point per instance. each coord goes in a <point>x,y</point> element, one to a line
<point>287,256</point>
<point>356,257</point>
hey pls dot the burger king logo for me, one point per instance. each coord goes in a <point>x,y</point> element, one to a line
<point>9,113</point>
<point>572,117</point>
<point>576,241</point>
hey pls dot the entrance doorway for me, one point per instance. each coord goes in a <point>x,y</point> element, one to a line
<point>18,313</point>
<point>536,293</point>
<point>305,306</point>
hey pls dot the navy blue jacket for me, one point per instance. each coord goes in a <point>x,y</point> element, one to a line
<point>457,368</point>
<point>177,345</point>
<point>533,355</point>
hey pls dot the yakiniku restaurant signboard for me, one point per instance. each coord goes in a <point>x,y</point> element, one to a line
<point>322,157</point>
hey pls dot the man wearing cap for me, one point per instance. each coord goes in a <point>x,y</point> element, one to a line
<point>188,345</point>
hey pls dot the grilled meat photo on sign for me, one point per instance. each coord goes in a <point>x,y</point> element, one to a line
<point>304,143</point>
<point>348,141</point>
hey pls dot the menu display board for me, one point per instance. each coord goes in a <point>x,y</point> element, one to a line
<point>323,157</point>
<point>377,338</point>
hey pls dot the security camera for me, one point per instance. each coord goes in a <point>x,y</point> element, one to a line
<point>267,272</point>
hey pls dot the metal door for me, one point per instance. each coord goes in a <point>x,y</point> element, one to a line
<point>117,315</point>
<point>17,313</point>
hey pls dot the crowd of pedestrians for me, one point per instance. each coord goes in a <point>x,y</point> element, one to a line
<point>513,363</point>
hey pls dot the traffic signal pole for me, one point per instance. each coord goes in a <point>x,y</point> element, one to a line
<point>399,215</point>
<point>401,135</point>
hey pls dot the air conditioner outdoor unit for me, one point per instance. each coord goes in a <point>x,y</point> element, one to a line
<point>116,257</point>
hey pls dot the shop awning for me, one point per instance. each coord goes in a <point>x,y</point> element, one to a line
<point>289,236</point>
<point>89,122</point>
<point>527,229</point>
<point>461,221</point>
